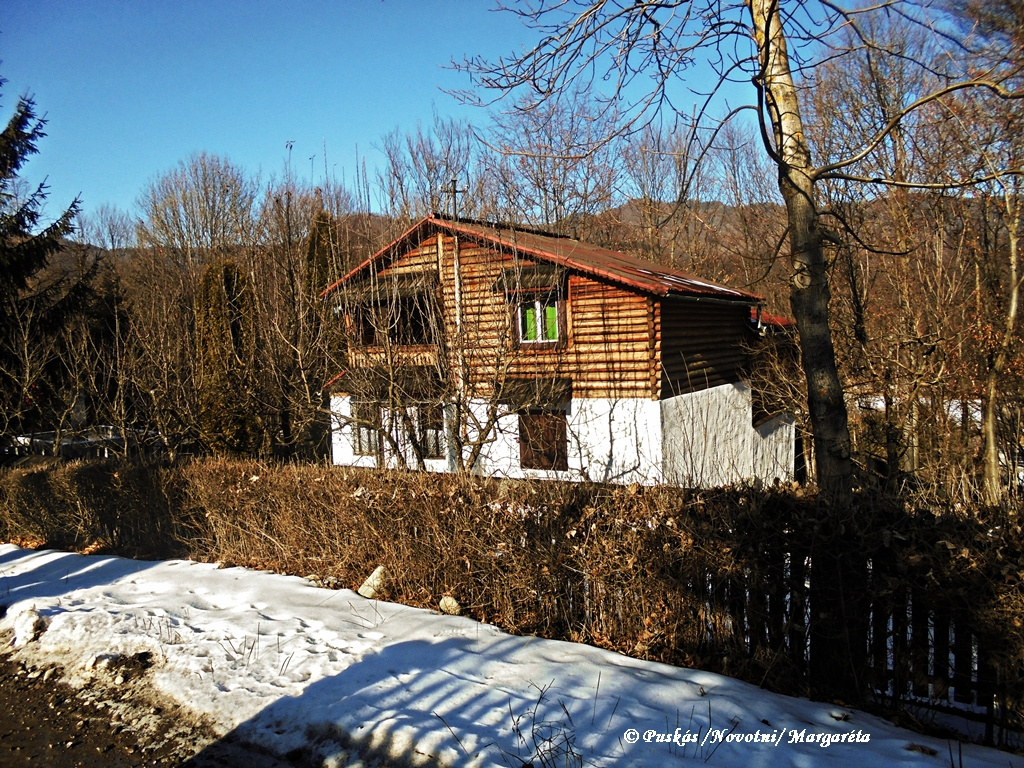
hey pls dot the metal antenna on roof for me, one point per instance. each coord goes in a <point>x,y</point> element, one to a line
<point>454,191</point>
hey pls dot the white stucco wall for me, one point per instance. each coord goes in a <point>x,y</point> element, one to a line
<point>342,446</point>
<point>702,439</point>
<point>709,440</point>
<point>618,440</point>
<point>775,453</point>
<point>612,441</point>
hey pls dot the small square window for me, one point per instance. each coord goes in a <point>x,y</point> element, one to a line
<point>543,440</point>
<point>539,319</point>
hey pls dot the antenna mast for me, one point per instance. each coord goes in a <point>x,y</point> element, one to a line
<point>453,191</point>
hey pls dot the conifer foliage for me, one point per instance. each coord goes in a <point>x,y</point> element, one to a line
<point>36,300</point>
<point>319,252</point>
<point>224,322</point>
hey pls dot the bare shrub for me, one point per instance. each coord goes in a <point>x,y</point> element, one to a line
<point>729,580</point>
<point>96,506</point>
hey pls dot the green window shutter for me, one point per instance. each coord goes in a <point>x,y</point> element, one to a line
<point>530,322</point>
<point>551,322</point>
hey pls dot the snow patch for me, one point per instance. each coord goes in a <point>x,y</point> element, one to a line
<point>297,669</point>
<point>28,625</point>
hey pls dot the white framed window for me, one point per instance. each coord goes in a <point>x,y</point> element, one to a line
<point>540,319</point>
<point>366,425</point>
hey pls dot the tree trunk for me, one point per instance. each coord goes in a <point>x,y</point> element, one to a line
<point>836,645</point>
<point>809,291</point>
<point>992,486</point>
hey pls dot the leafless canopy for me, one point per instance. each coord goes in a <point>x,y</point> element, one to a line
<point>684,59</point>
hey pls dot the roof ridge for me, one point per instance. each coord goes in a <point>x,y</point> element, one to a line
<point>499,225</point>
<point>616,266</point>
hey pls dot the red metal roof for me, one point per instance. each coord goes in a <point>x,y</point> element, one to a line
<point>768,318</point>
<point>587,259</point>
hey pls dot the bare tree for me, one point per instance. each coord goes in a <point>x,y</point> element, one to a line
<point>301,250</point>
<point>1005,271</point>
<point>904,293</point>
<point>108,228</point>
<point>201,208</point>
<point>996,129</point>
<point>201,211</point>
<point>551,164</point>
<point>661,211</point>
<point>421,165</point>
<point>642,48</point>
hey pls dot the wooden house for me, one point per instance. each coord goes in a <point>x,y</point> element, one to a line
<point>517,353</point>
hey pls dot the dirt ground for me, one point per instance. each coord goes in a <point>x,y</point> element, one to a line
<point>44,722</point>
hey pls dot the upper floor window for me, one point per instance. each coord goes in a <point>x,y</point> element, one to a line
<point>536,295</point>
<point>539,318</point>
<point>397,310</point>
<point>409,320</point>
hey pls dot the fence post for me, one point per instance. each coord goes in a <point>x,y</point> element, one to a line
<point>838,622</point>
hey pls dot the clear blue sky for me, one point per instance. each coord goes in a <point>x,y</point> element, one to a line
<point>131,87</point>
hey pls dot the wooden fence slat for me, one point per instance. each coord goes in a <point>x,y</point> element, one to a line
<point>942,669</point>
<point>777,594</point>
<point>798,610</point>
<point>919,643</point>
<point>986,691</point>
<point>899,659</point>
<point>907,643</point>
<point>738,603</point>
<point>963,660</point>
<point>878,654</point>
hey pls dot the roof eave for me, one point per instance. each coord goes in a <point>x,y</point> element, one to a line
<point>497,237</point>
<point>567,261</point>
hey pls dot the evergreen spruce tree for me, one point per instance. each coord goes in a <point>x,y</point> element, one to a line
<point>314,437</point>
<point>319,252</point>
<point>229,418</point>
<point>35,302</point>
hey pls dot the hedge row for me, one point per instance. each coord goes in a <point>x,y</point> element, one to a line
<point>715,579</point>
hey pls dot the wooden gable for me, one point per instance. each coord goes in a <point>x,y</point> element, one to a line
<point>627,330</point>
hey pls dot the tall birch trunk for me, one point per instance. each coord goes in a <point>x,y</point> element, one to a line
<point>809,291</point>
<point>837,626</point>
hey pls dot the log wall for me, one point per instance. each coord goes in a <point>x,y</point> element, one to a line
<point>702,345</point>
<point>615,342</point>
